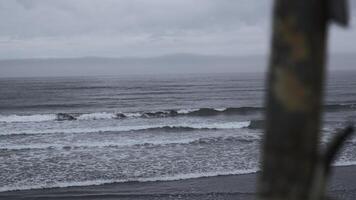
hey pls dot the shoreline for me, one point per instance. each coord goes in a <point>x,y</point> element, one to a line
<point>342,186</point>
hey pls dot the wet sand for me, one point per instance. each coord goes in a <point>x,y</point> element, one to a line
<point>342,186</point>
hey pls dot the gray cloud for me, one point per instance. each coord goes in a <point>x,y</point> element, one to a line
<point>65,28</point>
<point>74,28</point>
<point>53,18</point>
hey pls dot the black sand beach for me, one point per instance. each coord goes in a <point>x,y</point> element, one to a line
<point>343,186</point>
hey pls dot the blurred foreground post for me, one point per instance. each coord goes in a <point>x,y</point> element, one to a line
<point>291,162</point>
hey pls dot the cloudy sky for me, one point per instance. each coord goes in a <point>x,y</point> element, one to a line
<point>121,28</point>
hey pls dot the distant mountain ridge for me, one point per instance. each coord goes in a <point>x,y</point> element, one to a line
<point>172,63</point>
<point>179,63</point>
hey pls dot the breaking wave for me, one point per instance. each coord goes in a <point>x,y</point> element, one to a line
<point>200,112</point>
<point>106,115</point>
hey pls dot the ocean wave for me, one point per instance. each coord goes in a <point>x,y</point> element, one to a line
<point>199,112</point>
<point>180,127</point>
<point>344,163</point>
<point>339,107</point>
<point>137,143</point>
<point>118,115</point>
<point>113,181</point>
<point>256,124</point>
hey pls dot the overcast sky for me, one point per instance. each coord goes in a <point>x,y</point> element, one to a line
<point>120,28</point>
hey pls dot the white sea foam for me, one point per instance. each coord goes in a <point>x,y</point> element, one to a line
<point>130,142</point>
<point>186,111</point>
<point>98,144</point>
<point>150,179</point>
<point>220,109</point>
<point>93,116</point>
<point>27,118</point>
<point>133,114</point>
<point>80,130</point>
<point>345,163</point>
<point>225,125</point>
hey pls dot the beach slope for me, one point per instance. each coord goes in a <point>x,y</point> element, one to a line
<point>342,186</point>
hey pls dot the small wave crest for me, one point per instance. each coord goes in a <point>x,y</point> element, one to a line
<point>179,127</point>
<point>339,107</point>
<point>95,116</point>
<point>136,143</point>
<point>201,112</point>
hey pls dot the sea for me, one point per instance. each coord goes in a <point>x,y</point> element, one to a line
<point>80,131</point>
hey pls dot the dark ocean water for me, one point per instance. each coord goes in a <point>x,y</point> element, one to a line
<point>58,132</point>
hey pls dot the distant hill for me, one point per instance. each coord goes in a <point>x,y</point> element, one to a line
<point>166,64</point>
<point>175,63</point>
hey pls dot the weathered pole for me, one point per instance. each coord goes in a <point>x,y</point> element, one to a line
<point>291,161</point>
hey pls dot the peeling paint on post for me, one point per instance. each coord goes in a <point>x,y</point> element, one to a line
<point>290,34</point>
<point>290,92</point>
